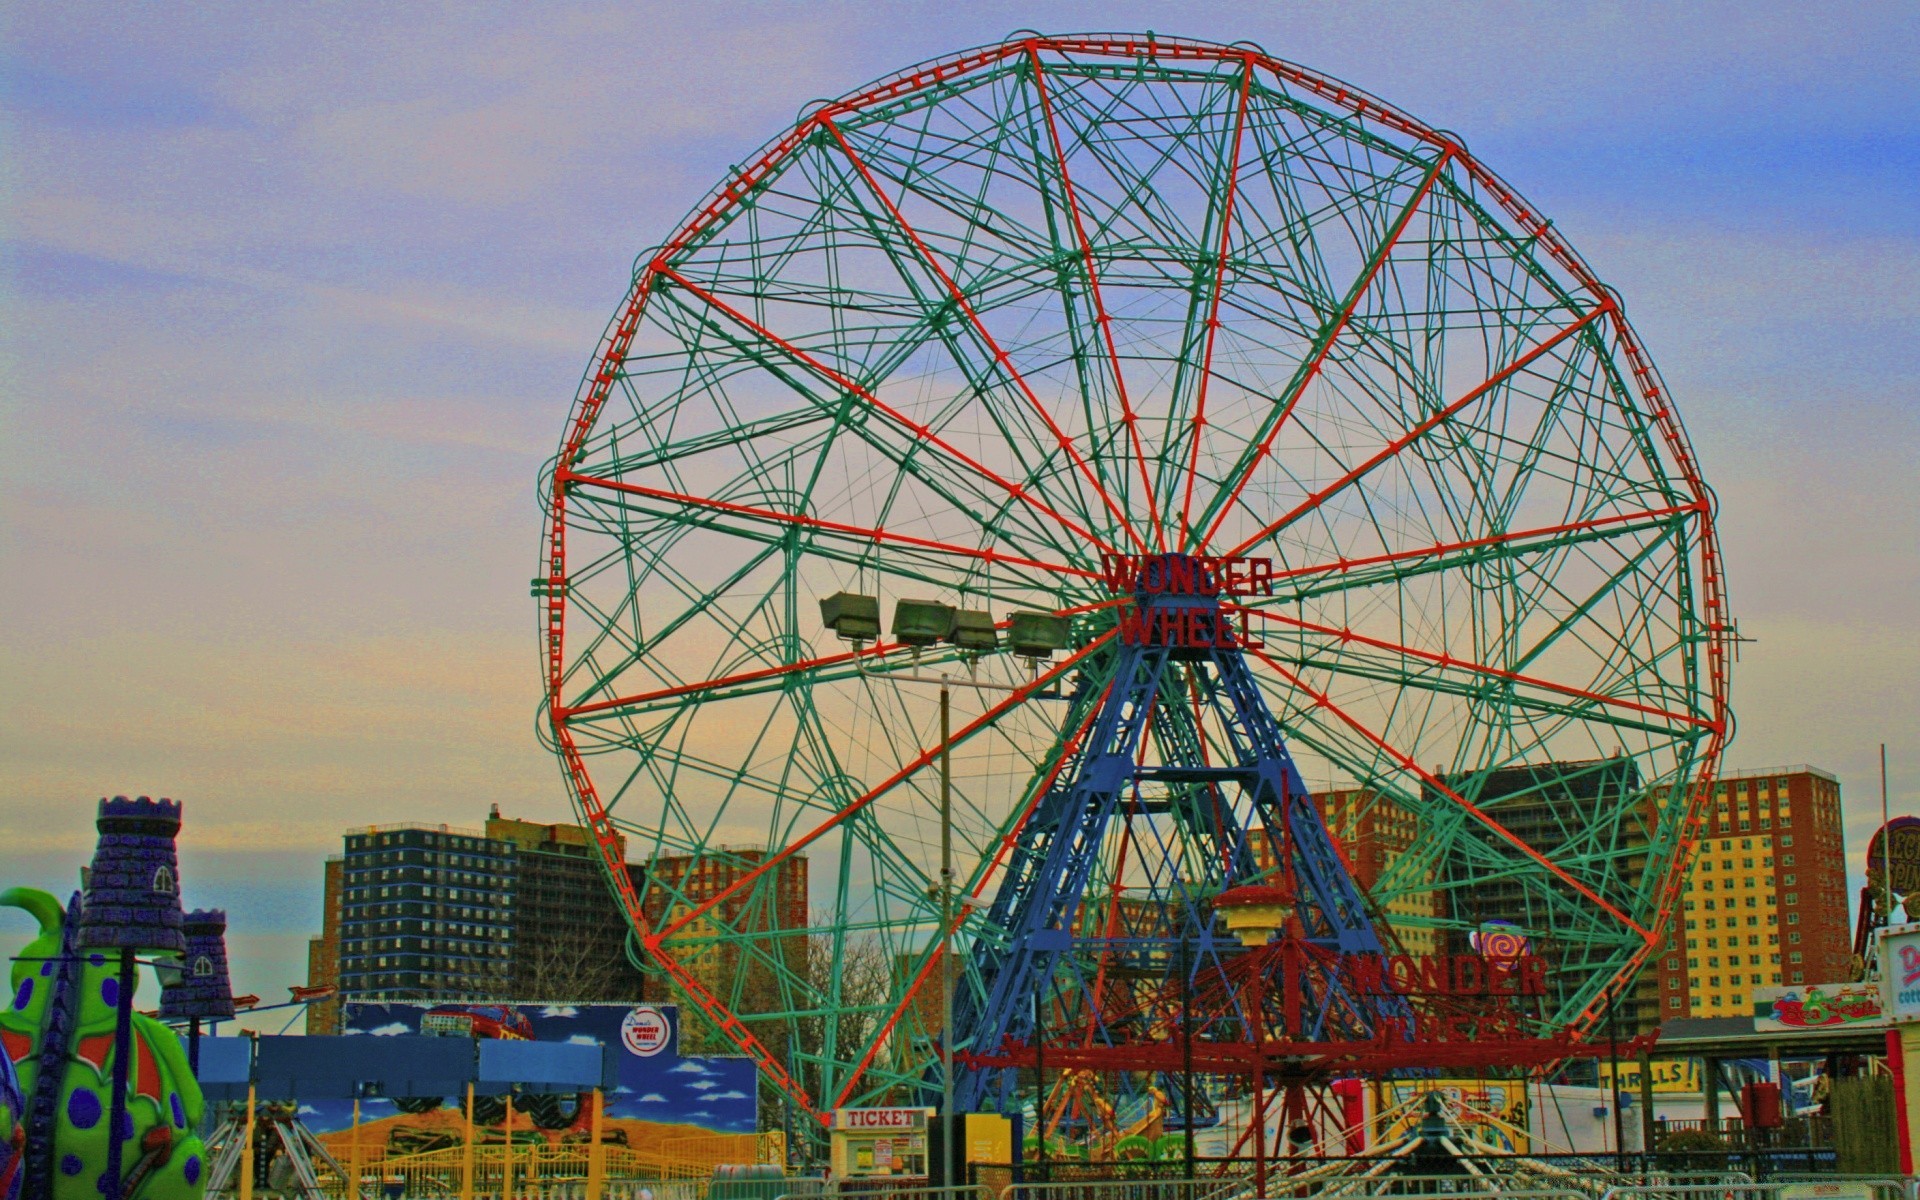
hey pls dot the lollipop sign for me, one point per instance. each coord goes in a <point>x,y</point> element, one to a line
<point>1501,943</point>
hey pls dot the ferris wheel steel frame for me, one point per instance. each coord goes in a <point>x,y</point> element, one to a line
<point>1689,518</point>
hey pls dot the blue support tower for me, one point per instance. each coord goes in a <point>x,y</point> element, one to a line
<point>1180,787</point>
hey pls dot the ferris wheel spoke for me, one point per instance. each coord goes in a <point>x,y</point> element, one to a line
<point>1262,445</point>
<point>1002,360</point>
<point>1393,448</point>
<point>986,555</point>
<point>1318,579</point>
<point>919,431</point>
<point>1101,317</point>
<point>1346,636</point>
<point>1018,696</point>
<point>1407,763</point>
<point>1205,374</point>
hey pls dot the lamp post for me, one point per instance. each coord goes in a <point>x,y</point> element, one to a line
<point>946,935</point>
<point>918,624</point>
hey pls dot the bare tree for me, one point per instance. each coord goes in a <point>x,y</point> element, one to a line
<point>575,962</point>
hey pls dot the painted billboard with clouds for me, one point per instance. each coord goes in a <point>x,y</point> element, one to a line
<point>659,1094</point>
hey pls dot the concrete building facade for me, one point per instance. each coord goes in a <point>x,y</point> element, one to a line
<point>517,910</point>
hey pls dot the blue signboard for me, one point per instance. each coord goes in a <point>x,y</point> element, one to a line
<point>653,1084</point>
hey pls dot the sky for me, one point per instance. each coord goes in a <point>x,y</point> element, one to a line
<point>294,300</point>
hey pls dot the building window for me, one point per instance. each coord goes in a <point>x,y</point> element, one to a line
<point>1799,976</point>
<point>1786,839</point>
<point>1673,1002</point>
<point>1793,897</point>
<point>1794,957</point>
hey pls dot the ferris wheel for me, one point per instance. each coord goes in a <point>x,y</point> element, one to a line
<point>895,432</point>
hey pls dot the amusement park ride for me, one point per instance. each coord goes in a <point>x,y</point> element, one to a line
<point>1242,430</point>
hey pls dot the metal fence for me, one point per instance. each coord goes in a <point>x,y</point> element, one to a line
<point>1225,1188</point>
<point>1823,1187</point>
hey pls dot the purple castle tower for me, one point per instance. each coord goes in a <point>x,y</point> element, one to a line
<point>133,887</point>
<point>203,989</point>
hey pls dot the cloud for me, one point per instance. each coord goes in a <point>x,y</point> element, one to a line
<point>689,1067</point>
<point>703,1084</point>
<point>397,1029</point>
<point>581,1039</point>
<point>653,1098</point>
<point>725,1096</point>
<point>559,1010</point>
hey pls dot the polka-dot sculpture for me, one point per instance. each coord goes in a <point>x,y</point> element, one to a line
<point>133,887</point>
<point>13,1132</point>
<point>58,1032</point>
<point>203,989</point>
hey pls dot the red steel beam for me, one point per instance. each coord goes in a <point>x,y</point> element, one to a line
<point>1000,357</point>
<point>1404,440</point>
<point>1128,416</point>
<point>987,555</point>
<point>1341,566</point>
<point>873,401</point>
<point>1345,316</point>
<point>1320,700</point>
<point>1213,302</point>
<point>1465,664</point>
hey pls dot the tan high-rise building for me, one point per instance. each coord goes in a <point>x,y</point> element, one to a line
<point>1372,832</point>
<point>1765,902</point>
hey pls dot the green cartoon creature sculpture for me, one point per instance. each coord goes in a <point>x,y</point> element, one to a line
<point>13,1132</point>
<point>58,1033</point>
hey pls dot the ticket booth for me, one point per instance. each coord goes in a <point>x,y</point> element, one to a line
<point>874,1143</point>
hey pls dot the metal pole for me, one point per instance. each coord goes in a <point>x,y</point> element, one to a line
<point>946,937</point>
<point>1886,840</point>
<point>506,1167</point>
<point>356,1167</point>
<point>597,1154</point>
<point>1040,1079</point>
<point>1186,1049</point>
<point>466,1149</point>
<point>1613,1083</point>
<point>246,1148</point>
<point>122,1064</point>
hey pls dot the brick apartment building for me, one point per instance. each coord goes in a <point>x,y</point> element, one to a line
<point>1766,900</point>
